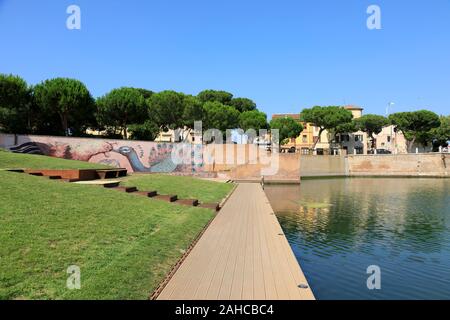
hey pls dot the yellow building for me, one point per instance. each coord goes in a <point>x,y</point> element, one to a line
<point>305,141</point>
<point>350,143</point>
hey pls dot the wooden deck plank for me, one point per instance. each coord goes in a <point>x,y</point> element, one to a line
<point>242,255</point>
<point>249,262</point>
<point>269,277</point>
<point>217,234</point>
<point>292,271</point>
<point>216,258</point>
<point>221,281</point>
<point>285,291</point>
<point>237,280</point>
<point>259,278</point>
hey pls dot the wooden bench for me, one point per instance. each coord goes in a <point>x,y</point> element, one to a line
<point>111,173</point>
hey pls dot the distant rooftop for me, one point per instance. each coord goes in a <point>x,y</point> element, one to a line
<point>351,107</point>
<point>295,116</point>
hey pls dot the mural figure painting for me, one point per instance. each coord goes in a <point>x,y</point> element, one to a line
<point>136,156</point>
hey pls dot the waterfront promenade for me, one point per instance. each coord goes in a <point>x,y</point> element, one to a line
<point>243,254</point>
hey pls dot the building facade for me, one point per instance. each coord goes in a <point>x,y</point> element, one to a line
<point>179,135</point>
<point>342,143</point>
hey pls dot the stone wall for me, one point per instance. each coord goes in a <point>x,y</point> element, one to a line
<point>323,166</point>
<point>250,162</point>
<point>421,164</point>
<point>286,168</point>
<point>413,165</point>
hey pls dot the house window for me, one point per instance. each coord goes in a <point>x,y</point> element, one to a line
<point>305,151</point>
<point>359,150</point>
<point>292,140</point>
<point>388,138</point>
<point>193,139</point>
<point>345,137</point>
<point>338,138</point>
<point>305,138</point>
<point>359,137</point>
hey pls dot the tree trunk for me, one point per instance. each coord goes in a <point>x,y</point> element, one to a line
<point>373,142</point>
<point>64,123</point>
<point>187,135</point>
<point>410,144</point>
<point>125,135</point>
<point>332,141</point>
<point>315,142</point>
<point>125,121</point>
<point>29,120</point>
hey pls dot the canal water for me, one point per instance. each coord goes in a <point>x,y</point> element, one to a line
<point>337,228</point>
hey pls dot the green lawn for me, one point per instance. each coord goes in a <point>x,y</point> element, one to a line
<point>183,187</point>
<point>124,244</point>
<point>9,160</point>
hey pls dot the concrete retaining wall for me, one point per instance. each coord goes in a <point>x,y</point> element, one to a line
<point>413,165</point>
<point>323,166</point>
<point>425,164</point>
<point>284,169</point>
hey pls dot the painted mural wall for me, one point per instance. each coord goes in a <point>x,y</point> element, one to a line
<point>135,156</point>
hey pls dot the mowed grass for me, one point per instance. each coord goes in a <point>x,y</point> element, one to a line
<point>9,160</point>
<point>182,186</point>
<point>124,244</point>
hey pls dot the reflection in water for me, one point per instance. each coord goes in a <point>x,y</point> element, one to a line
<point>339,227</point>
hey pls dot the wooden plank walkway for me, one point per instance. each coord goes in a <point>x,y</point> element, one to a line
<point>242,255</point>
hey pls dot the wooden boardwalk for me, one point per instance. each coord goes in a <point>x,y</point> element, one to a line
<point>242,255</point>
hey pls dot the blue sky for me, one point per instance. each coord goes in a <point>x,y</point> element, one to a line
<point>285,55</point>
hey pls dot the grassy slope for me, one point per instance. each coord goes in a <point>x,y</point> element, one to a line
<point>124,244</point>
<point>184,187</point>
<point>9,160</point>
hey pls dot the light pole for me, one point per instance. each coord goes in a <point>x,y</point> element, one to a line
<point>390,104</point>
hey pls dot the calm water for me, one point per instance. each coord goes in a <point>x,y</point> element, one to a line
<point>339,227</point>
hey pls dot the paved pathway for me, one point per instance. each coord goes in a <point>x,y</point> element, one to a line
<point>242,255</point>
